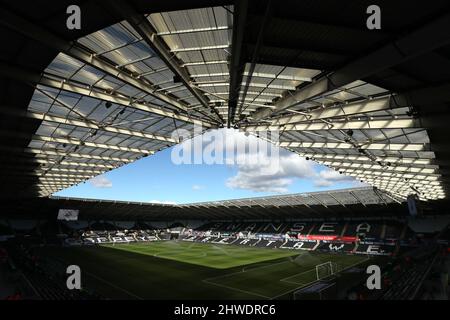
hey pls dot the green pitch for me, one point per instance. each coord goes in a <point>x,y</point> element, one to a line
<point>185,270</point>
<point>206,254</point>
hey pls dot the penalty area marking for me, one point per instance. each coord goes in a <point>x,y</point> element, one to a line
<point>296,275</point>
<point>307,284</point>
<point>209,280</point>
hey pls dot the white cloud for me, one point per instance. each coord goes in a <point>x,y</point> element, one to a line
<point>162,202</point>
<point>262,167</point>
<point>277,174</point>
<point>197,187</point>
<point>100,182</point>
<point>322,183</point>
<point>357,183</point>
<point>328,177</point>
<point>266,178</point>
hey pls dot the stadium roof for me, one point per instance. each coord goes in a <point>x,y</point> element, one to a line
<point>370,104</point>
<point>356,202</point>
<point>361,196</point>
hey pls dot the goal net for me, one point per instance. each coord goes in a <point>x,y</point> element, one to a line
<point>326,269</point>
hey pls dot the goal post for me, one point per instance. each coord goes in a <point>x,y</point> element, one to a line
<point>326,269</point>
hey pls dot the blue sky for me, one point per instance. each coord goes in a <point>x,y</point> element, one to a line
<point>158,179</point>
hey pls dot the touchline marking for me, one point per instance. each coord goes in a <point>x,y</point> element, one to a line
<point>113,285</point>
<point>236,289</point>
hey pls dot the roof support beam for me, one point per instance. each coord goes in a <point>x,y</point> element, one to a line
<point>40,171</point>
<point>223,46</point>
<point>77,142</point>
<point>340,166</point>
<point>195,30</point>
<point>336,199</point>
<point>70,170</point>
<point>420,41</point>
<point>371,146</point>
<point>256,75</point>
<point>398,185</point>
<point>416,178</point>
<point>363,107</point>
<point>52,186</point>
<point>356,163</point>
<point>150,36</point>
<point>256,50</point>
<point>44,179</point>
<point>202,63</point>
<point>340,125</point>
<point>91,144</point>
<point>363,159</point>
<point>405,187</point>
<point>91,125</point>
<point>252,84</point>
<point>64,175</point>
<point>78,156</point>
<point>83,164</point>
<point>104,96</point>
<point>317,199</point>
<point>38,33</point>
<point>69,179</point>
<point>414,97</point>
<point>237,64</point>
<point>43,153</point>
<point>358,199</point>
<point>21,74</point>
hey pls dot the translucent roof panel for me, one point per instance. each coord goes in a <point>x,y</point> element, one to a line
<point>119,93</point>
<point>361,131</point>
